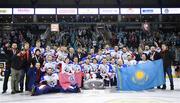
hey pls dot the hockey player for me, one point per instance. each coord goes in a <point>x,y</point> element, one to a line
<point>49,84</point>
<point>75,65</point>
<point>51,64</point>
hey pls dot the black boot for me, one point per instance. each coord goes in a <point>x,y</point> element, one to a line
<point>13,92</point>
<point>18,92</point>
<point>158,87</point>
<point>172,87</point>
<point>164,87</point>
<point>3,92</point>
<point>33,91</point>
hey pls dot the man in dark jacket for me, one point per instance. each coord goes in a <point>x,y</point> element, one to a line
<point>79,54</point>
<point>15,69</point>
<point>71,54</point>
<point>26,56</point>
<point>8,53</point>
<point>167,61</point>
<point>37,58</point>
<point>154,55</point>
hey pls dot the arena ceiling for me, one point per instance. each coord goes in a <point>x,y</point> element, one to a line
<point>89,3</point>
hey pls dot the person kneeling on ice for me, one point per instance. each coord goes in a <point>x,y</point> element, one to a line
<point>48,84</point>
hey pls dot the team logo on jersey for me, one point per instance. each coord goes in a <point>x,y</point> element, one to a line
<point>72,79</point>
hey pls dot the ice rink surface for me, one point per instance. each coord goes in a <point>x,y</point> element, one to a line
<point>98,96</point>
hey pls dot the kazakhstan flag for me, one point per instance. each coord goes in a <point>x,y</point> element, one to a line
<point>140,76</point>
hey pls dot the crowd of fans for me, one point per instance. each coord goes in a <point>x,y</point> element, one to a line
<point>81,50</point>
<point>91,37</point>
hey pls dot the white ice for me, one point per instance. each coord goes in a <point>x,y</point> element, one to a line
<point>98,96</point>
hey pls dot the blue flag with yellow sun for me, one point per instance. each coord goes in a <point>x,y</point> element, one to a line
<point>140,76</point>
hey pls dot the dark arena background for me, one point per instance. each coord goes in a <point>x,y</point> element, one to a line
<point>104,51</point>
